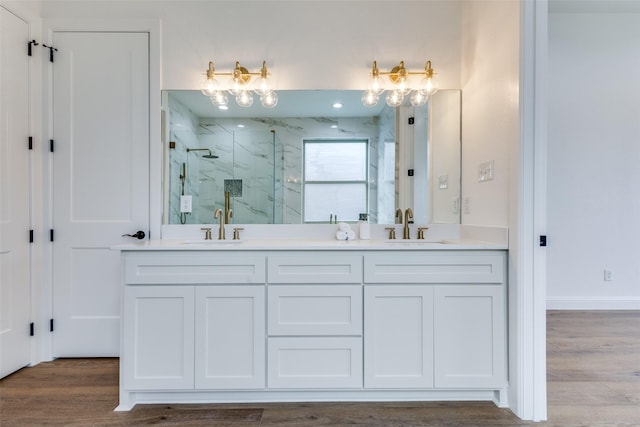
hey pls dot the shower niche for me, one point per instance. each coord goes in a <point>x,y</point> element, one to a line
<point>210,156</point>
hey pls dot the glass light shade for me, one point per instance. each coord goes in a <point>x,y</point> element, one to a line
<point>269,100</point>
<point>376,85</point>
<point>219,98</point>
<point>394,98</point>
<point>238,86</point>
<point>209,86</point>
<point>402,87</point>
<point>369,98</point>
<point>244,98</point>
<point>428,85</point>
<point>262,85</point>
<point>418,97</point>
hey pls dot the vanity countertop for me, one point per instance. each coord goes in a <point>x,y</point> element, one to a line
<point>310,245</point>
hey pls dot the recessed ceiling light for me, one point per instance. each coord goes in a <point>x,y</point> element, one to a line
<point>223,107</point>
<point>337,104</point>
<point>240,125</point>
<point>334,126</point>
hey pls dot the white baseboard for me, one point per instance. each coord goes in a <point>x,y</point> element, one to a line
<point>593,303</point>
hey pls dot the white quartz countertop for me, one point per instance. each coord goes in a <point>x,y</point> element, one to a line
<point>309,245</point>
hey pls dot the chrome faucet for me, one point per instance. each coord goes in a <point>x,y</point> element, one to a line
<point>221,215</point>
<point>228,214</point>
<point>398,216</point>
<point>408,214</point>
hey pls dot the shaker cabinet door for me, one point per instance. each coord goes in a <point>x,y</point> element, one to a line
<point>470,337</point>
<point>230,337</point>
<point>398,336</point>
<point>158,339</point>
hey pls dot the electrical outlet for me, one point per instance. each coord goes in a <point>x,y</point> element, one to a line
<point>608,275</point>
<point>467,205</point>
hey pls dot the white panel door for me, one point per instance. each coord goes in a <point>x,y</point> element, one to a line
<point>398,336</point>
<point>14,195</point>
<point>100,181</point>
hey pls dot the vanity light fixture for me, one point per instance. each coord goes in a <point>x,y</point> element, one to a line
<point>399,78</point>
<point>239,87</point>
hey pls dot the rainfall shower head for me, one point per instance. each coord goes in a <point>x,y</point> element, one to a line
<point>204,156</point>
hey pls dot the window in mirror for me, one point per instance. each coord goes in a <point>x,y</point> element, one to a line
<point>335,179</point>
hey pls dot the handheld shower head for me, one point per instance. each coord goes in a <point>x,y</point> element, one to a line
<point>204,156</point>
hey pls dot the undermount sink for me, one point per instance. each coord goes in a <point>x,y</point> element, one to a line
<point>212,242</point>
<point>415,241</point>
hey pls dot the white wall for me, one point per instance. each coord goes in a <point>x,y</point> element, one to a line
<point>307,44</point>
<point>490,114</point>
<point>491,131</point>
<point>594,160</point>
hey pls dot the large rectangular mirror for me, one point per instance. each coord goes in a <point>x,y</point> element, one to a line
<point>306,161</point>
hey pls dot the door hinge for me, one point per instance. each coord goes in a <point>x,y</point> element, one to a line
<point>51,143</point>
<point>50,325</point>
<point>29,46</point>
<point>30,143</point>
<point>32,328</point>
<point>410,172</point>
<point>51,235</point>
<point>51,50</point>
<point>543,240</point>
<point>30,236</point>
<point>412,120</point>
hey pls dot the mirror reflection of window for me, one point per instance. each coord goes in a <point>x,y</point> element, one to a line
<point>335,179</point>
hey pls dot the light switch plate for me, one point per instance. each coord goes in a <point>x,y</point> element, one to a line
<point>485,171</point>
<point>185,204</point>
<point>443,181</point>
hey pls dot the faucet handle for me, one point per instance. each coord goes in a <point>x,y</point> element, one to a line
<point>207,233</point>
<point>236,232</point>
<point>421,232</point>
<point>392,232</point>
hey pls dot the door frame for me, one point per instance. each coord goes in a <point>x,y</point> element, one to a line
<point>49,26</point>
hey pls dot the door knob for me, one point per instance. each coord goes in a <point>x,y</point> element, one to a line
<point>138,235</point>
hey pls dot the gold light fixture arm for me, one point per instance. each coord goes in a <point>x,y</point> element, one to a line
<point>400,72</point>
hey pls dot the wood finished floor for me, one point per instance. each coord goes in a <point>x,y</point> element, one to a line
<point>593,380</point>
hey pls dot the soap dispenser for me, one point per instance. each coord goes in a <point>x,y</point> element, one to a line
<point>365,228</point>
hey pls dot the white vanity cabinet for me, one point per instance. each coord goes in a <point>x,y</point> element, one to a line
<point>313,325</point>
<point>193,321</point>
<point>435,320</point>
<point>314,321</point>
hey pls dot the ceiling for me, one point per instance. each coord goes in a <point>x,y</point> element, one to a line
<point>291,103</point>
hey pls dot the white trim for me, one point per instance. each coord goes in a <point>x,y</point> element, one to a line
<point>527,298</point>
<point>593,303</point>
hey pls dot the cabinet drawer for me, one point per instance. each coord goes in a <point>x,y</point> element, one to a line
<point>193,268</point>
<point>316,362</point>
<point>315,268</point>
<point>434,268</point>
<point>315,310</point>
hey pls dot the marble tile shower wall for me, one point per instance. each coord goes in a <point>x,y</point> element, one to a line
<point>269,194</point>
<point>184,132</point>
<point>386,166</point>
